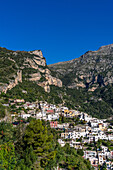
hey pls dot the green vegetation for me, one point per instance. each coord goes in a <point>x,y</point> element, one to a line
<point>106,93</point>
<point>2,111</point>
<point>72,98</point>
<point>108,144</point>
<point>33,91</point>
<point>36,147</point>
<point>6,133</point>
<point>7,156</point>
<point>69,159</point>
<point>98,103</point>
<point>42,78</point>
<point>8,67</point>
<point>7,70</point>
<point>36,136</point>
<point>27,71</point>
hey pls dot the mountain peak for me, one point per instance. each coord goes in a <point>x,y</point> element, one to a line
<point>37,52</point>
<point>91,70</point>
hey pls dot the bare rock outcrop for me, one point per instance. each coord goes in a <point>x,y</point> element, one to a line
<point>50,81</point>
<point>35,76</point>
<point>37,52</point>
<point>53,81</point>
<point>92,69</point>
<point>12,83</point>
<point>40,61</point>
<point>31,63</point>
<point>33,67</point>
<point>47,88</point>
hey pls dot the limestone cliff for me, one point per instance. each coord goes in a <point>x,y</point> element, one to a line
<point>22,65</point>
<point>92,70</point>
<point>13,83</point>
<point>50,81</point>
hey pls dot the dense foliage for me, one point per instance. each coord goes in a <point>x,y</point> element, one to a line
<point>98,104</point>
<point>36,147</point>
<point>7,156</point>
<point>2,111</point>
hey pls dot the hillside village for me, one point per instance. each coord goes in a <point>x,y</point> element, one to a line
<point>56,85</point>
<point>82,131</point>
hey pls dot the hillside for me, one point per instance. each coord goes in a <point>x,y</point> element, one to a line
<point>92,70</point>
<point>85,83</point>
<point>19,66</point>
<point>92,74</point>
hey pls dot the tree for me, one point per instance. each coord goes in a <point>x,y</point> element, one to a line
<point>6,132</point>
<point>2,111</point>
<point>80,152</point>
<point>36,135</point>
<point>7,156</point>
<point>25,162</point>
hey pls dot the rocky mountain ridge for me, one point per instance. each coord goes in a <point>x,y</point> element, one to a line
<point>92,70</point>
<point>17,66</point>
<point>25,75</point>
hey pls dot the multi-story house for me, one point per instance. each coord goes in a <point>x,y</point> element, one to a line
<point>90,154</point>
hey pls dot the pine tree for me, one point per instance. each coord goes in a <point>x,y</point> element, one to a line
<point>36,135</point>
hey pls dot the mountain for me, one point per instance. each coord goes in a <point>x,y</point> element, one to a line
<point>18,66</point>
<point>92,70</point>
<point>92,75</point>
<point>85,83</point>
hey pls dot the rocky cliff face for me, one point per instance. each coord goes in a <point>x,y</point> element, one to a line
<point>50,80</point>
<point>21,65</point>
<point>12,83</point>
<point>91,70</point>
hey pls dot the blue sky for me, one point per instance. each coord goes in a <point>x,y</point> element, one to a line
<point>62,29</point>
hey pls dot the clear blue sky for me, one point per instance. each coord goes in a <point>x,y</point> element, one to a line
<point>62,29</point>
